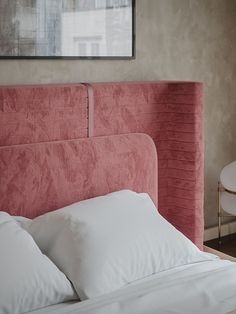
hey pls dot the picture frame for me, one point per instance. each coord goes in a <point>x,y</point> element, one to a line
<point>67,29</point>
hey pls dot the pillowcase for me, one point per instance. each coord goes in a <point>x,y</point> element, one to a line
<point>22,221</point>
<point>28,279</point>
<point>104,243</point>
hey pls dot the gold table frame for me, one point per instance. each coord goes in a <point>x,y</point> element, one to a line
<point>221,212</point>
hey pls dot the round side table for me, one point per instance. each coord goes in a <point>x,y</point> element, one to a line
<point>226,194</point>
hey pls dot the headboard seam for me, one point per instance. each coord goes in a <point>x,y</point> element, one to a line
<point>90,109</point>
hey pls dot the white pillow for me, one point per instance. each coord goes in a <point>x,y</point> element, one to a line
<point>104,243</point>
<point>22,221</point>
<point>28,279</point>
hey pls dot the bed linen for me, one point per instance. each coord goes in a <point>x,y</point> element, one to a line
<point>207,287</point>
<point>104,243</point>
<point>22,221</point>
<point>28,279</point>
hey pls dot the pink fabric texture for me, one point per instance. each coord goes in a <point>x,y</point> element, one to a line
<point>31,114</point>
<point>170,112</point>
<point>37,178</point>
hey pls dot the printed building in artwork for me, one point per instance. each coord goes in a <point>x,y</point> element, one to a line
<point>101,36</point>
<point>65,27</point>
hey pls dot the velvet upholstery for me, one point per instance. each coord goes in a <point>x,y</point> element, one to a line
<point>37,178</point>
<point>170,112</point>
<point>31,114</point>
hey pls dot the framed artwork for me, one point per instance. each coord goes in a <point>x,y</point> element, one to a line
<point>67,29</point>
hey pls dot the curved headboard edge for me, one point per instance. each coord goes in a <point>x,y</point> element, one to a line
<point>41,177</point>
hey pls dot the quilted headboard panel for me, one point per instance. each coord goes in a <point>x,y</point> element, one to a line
<point>31,114</point>
<point>37,178</point>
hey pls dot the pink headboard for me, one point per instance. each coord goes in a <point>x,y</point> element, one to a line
<point>37,178</point>
<point>31,114</point>
<point>170,112</point>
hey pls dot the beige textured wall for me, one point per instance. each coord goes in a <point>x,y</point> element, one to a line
<point>176,40</point>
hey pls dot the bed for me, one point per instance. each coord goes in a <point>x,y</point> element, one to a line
<point>43,175</point>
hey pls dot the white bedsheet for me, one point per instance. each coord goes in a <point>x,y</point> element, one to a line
<point>205,287</point>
